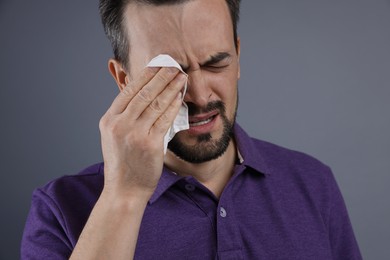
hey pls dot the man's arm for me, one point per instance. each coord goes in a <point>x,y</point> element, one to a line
<point>132,132</point>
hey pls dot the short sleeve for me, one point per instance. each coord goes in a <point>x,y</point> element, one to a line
<point>341,236</point>
<point>44,235</point>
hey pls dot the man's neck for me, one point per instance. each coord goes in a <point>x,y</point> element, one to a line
<point>213,174</point>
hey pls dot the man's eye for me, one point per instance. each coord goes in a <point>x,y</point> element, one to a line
<point>216,67</point>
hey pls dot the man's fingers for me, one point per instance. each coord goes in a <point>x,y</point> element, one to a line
<point>161,103</point>
<point>148,100</point>
<point>162,124</point>
<point>150,91</point>
<point>123,99</point>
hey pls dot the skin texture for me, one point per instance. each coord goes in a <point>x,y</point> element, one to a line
<point>133,128</point>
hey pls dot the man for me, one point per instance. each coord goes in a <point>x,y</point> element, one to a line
<point>217,193</point>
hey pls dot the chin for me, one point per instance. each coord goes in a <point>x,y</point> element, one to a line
<point>202,147</point>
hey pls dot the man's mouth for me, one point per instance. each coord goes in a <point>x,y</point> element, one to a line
<point>202,120</point>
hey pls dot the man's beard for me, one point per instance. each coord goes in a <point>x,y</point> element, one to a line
<point>206,148</point>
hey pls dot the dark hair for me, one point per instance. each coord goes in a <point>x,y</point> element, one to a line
<point>111,13</point>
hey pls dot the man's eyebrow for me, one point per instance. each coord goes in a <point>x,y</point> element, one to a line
<point>214,59</point>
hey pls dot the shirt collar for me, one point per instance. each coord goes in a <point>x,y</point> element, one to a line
<point>247,153</point>
<point>167,179</point>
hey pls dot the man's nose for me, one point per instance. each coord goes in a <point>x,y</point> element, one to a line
<point>198,91</point>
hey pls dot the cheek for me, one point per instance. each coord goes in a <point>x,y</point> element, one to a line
<point>224,88</point>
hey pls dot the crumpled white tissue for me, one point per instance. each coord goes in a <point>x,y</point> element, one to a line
<point>181,121</point>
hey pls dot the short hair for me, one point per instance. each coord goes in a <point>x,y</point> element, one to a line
<point>111,13</point>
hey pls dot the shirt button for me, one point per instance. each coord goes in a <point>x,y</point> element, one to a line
<point>190,187</point>
<point>222,212</point>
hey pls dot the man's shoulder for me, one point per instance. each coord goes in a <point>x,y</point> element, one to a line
<point>283,155</point>
<point>87,181</point>
<point>288,165</point>
<point>267,156</point>
<point>60,208</point>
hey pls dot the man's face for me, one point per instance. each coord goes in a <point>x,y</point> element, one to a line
<point>199,35</point>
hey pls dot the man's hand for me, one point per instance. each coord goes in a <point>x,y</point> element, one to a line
<point>133,129</point>
<point>132,133</point>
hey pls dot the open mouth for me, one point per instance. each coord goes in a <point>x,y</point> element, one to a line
<point>203,122</point>
<point>199,121</point>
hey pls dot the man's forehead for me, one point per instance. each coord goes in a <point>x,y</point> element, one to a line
<point>193,30</point>
<point>197,10</point>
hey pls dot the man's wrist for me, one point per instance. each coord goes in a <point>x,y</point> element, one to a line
<point>126,201</point>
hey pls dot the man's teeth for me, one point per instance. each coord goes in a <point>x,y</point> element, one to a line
<point>201,122</point>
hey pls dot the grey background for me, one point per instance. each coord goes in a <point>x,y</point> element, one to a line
<point>315,77</point>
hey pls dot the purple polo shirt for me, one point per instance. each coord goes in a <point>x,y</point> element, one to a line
<point>279,204</point>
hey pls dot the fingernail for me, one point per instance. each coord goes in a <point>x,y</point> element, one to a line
<point>179,95</point>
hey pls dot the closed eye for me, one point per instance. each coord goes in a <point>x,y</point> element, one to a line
<point>216,67</point>
<point>215,63</point>
<point>218,62</point>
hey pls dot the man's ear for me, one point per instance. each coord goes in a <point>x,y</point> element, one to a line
<point>238,56</point>
<point>119,73</point>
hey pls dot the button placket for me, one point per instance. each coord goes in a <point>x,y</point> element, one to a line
<point>228,235</point>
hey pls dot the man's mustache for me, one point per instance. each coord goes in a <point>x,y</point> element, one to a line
<point>211,106</point>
